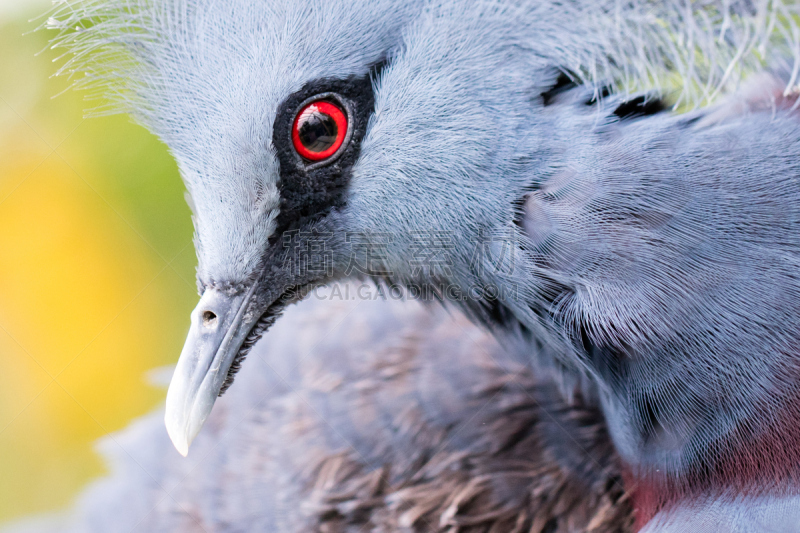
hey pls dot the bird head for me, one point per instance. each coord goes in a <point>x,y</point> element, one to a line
<point>319,140</point>
<point>327,140</point>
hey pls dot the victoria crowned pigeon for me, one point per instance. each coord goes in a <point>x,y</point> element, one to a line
<point>613,183</point>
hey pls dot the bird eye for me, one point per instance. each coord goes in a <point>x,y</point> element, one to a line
<point>319,130</point>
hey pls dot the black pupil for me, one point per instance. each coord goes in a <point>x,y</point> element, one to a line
<point>317,130</point>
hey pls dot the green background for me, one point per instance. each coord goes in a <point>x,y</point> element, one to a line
<point>96,273</point>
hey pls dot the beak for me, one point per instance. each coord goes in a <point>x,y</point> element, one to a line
<point>219,327</point>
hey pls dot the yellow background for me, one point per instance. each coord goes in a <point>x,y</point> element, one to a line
<point>96,273</point>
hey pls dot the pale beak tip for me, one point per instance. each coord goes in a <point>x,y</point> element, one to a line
<point>183,450</point>
<point>178,438</point>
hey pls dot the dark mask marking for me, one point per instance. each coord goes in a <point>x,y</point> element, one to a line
<point>309,190</point>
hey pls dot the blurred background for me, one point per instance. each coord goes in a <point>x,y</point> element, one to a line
<point>96,272</point>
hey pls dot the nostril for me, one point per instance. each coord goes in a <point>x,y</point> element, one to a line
<point>209,318</point>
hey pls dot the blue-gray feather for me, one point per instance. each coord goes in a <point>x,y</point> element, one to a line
<point>654,257</point>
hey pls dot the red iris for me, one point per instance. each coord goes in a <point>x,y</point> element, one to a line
<point>319,130</point>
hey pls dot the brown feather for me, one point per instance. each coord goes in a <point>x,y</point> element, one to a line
<point>372,416</point>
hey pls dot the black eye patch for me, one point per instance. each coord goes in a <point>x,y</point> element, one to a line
<point>311,186</point>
